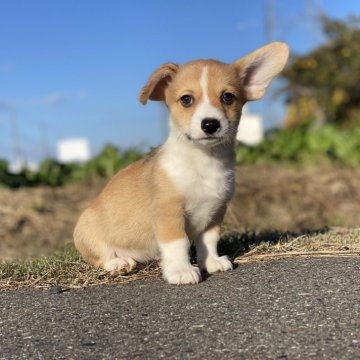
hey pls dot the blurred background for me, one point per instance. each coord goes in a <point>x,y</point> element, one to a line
<point>70,74</point>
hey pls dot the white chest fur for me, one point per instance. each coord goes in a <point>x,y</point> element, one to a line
<point>206,181</point>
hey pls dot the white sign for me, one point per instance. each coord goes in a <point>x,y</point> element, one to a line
<point>73,150</point>
<point>251,129</point>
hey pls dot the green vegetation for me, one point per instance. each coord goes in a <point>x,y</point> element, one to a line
<point>303,145</point>
<point>306,145</point>
<point>323,104</point>
<point>325,82</point>
<point>52,173</point>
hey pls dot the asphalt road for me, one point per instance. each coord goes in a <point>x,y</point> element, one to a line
<point>293,309</point>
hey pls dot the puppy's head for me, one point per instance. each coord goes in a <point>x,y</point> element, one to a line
<point>205,97</point>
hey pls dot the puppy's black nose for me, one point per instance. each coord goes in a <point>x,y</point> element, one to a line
<point>210,126</point>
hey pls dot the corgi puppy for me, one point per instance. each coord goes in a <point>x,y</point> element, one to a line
<point>178,193</point>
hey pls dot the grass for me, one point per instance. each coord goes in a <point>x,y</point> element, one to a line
<point>66,269</point>
<point>326,242</point>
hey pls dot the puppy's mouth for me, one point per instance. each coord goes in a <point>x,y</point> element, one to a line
<point>204,138</point>
<point>210,139</point>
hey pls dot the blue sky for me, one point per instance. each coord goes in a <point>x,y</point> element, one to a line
<point>75,68</point>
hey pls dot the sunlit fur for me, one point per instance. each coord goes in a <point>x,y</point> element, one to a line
<point>218,78</point>
<point>178,193</point>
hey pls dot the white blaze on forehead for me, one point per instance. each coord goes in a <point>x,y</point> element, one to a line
<point>204,84</point>
<point>205,109</point>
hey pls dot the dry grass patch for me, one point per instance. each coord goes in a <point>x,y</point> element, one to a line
<point>326,242</point>
<point>66,269</point>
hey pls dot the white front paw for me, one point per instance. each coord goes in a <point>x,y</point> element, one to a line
<point>216,263</point>
<point>182,275</point>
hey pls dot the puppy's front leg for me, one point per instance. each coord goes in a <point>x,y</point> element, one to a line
<point>174,248</point>
<point>207,255</point>
<point>175,262</point>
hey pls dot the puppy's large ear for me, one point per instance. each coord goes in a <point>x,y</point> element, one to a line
<point>157,83</point>
<point>259,67</point>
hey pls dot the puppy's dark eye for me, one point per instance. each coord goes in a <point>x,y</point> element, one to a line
<point>186,100</point>
<point>227,98</point>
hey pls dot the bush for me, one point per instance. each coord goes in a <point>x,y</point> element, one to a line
<point>53,173</point>
<point>305,145</point>
<point>326,80</point>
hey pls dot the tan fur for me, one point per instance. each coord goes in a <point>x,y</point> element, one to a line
<point>137,203</point>
<point>223,77</point>
<point>155,87</point>
<point>279,51</point>
<point>185,83</point>
<point>180,190</point>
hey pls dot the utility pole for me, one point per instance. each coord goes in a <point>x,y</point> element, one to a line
<point>313,14</point>
<point>16,138</point>
<point>269,21</point>
<point>16,148</point>
<point>44,140</point>
<point>269,36</point>
<point>164,122</point>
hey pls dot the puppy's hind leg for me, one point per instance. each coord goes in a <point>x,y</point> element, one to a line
<point>101,254</point>
<point>120,265</point>
<point>94,248</point>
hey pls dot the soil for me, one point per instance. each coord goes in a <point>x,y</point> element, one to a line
<point>36,221</point>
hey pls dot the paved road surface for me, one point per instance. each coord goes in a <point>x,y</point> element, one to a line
<point>293,309</point>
